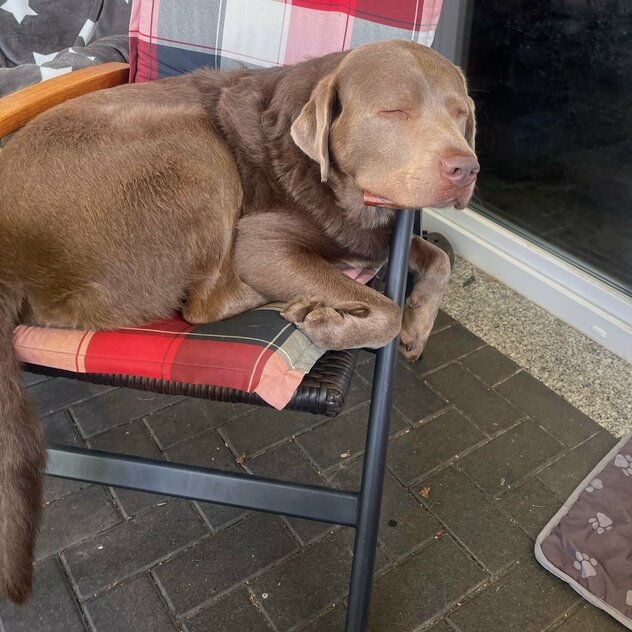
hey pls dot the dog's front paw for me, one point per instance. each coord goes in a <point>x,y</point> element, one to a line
<point>324,327</point>
<point>329,327</point>
<point>317,321</point>
<point>414,334</point>
<point>297,311</point>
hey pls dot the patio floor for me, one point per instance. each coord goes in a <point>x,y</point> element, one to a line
<point>481,455</point>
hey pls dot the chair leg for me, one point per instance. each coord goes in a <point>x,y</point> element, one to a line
<point>371,491</point>
<point>370,498</point>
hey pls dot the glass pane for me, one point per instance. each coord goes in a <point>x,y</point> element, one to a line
<point>552,81</point>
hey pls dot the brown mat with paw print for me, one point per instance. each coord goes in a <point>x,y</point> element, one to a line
<point>588,543</point>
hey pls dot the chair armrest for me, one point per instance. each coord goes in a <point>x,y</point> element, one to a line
<point>17,109</point>
<point>397,266</point>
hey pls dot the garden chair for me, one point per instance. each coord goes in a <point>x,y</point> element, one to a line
<point>171,38</point>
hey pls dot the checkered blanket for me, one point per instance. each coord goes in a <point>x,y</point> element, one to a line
<point>169,37</point>
<point>256,352</point>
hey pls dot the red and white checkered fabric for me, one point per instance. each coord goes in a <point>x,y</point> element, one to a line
<point>256,352</point>
<point>169,37</point>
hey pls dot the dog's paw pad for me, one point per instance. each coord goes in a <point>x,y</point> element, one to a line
<point>356,309</point>
<point>411,344</point>
<point>624,461</point>
<point>601,523</point>
<point>322,315</point>
<point>595,484</point>
<point>296,312</point>
<point>585,564</point>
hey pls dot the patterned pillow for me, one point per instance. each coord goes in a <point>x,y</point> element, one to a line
<point>256,352</point>
<point>168,37</point>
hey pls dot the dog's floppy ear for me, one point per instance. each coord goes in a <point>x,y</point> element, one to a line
<point>470,125</point>
<point>310,130</point>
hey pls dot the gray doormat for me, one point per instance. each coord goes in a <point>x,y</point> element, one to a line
<point>588,542</point>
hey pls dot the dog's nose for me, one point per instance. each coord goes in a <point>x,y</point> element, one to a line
<point>460,170</point>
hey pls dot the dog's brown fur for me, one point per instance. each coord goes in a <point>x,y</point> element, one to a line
<point>228,190</point>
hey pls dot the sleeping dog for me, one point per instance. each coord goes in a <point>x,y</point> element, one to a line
<point>215,193</point>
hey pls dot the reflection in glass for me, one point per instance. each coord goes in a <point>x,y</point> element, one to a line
<point>552,81</point>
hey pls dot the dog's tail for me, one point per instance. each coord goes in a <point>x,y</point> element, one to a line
<point>22,460</point>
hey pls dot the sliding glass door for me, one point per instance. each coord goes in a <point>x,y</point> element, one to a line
<point>552,81</point>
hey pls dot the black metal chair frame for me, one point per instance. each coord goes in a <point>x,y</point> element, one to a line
<point>360,510</point>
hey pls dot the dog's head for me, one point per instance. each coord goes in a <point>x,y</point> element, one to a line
<point>395,119</point>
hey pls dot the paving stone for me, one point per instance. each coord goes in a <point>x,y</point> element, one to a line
<point>411,397</point>
<point>415,453</point>
<point>531,505</point>
<point>234,613</point>
<point>132,546</point>
<point>134,605</point>
<point>561,419</point>
<point>383,559</point>
<point>404,523</point>
<point>442,321</point>
<point>358,393</point>
<point>74,518</point>
<point>307,583</point>
<point>424,585</point>
<point>189,418</point>
<point>473,519</point>
<point>446,346</point>
<point>490,412</point>
<point>223,561</point>
<point>59,429</point>
<point>500,464</point>
<point>51,608</point>
<point>528,599</point>
<point>265,428</point>
<point>566,474</point>
<point>345,434</point>
<point>287,463</point>
<point>56,488</point>
<point>364,356</point>
<point>30,379</point>
<point>208,450</point>
<point>116,408</point>
<point>131,439</point>
<point>590,619</point>
<point>53,395</point>
<point>332,621</point>
<point>490,365</point>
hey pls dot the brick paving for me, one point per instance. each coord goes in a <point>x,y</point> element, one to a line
<point>481,455</point>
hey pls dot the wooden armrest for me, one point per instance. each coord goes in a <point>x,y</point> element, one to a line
<point>17,109</point>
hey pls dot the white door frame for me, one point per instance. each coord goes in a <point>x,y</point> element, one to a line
<point>598,310</point>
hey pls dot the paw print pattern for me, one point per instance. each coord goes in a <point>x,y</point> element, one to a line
<point>624,461</point>
<point>585,564</point>
<point>601,523</point>
<point>595,484</point>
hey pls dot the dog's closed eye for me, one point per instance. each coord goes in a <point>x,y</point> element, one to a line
<point>396,114</point>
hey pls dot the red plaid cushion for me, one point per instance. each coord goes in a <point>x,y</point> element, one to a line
<point>168,38</point>
<point>255,352</point>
